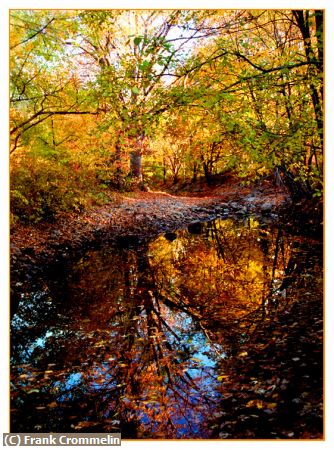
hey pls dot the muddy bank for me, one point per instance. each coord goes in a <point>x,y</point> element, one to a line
<point>131,219</point>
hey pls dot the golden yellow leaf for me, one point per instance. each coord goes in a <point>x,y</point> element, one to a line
<point>52,405</point>
<point>222,377</point>
<point>257,403</point>
<point>271,405</point>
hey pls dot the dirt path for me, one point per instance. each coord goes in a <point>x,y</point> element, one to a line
<point>144,212</point>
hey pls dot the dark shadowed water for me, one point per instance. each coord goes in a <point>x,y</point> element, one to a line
<point>132,338</point>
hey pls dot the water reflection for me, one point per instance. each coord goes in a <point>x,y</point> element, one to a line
<point>129,339</point>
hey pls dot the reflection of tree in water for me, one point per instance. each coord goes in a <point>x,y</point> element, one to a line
<point>229,280</point>
<point>114,359</point>
<point>130,340</point>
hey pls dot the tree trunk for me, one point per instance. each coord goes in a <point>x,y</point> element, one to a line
<point>207,172</point>
<point>164,169</point>
<point>319,19</point>
<point>136,172</point>
<point>136,165</point>
<point>302,19</point>
<point>195,168</point>
<point>118,163</point>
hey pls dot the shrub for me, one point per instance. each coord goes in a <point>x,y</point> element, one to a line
<point>40,189</point>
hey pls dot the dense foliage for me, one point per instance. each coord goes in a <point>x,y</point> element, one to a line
<point>107,100</point>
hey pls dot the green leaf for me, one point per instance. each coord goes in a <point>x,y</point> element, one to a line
<point>135,90</point>
<point>144,66</point>
<point>137,40</point>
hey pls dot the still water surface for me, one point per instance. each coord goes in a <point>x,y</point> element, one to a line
<point>131,338</point>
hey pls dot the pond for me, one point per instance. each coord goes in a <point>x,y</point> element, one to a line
<point>133,338</point>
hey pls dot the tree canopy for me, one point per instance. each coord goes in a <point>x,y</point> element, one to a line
<point>103,100</point>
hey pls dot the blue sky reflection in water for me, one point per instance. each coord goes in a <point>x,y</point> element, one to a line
<point>132,338</point>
